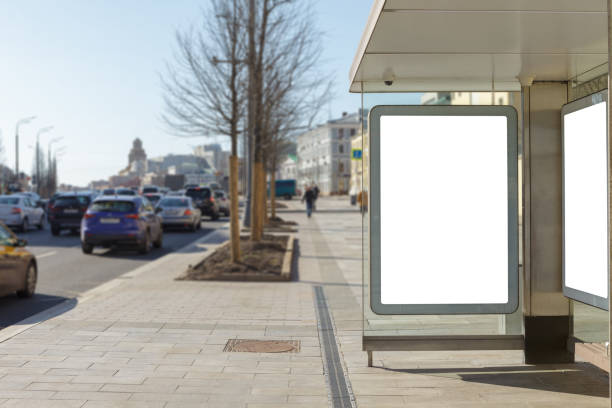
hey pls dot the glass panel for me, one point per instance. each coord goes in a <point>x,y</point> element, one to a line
<point>427,325</point>
<point>589,324</point>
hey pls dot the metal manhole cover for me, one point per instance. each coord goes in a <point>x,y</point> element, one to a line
<point>262,346</point>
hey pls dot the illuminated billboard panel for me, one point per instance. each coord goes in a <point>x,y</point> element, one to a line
<point>444,210</point>
<point>585,200</point>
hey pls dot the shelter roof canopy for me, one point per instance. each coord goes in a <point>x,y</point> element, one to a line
<point>477,45</point>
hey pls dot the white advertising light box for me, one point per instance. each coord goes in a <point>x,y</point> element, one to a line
<point>444,209</point>
<point>585,200</point>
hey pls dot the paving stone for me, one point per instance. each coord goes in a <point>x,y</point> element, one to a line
<point>155,342</point>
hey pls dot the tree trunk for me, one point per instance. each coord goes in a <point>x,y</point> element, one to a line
<point>273,193</point>
<point>264,197</point>
<point>256,218</point>
<point>234,221</point>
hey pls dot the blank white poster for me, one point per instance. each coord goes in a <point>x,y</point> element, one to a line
<point>586,198</point>
<point>444,209</point>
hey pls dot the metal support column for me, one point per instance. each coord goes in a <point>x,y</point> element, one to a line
<point>609,4</point>
<point>547,321</point>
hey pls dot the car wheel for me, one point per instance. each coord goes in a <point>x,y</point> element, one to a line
<point>87,248</point>
<point>159,241</point>
<point>30,282</point>
<point>24,225</point>
<point>55,230</point>
<point>145,247</point>
<point>41,224</point>
<point>214,217</point>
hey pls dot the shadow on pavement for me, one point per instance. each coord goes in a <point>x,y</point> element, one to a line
<point>295,261</point>
<point>44,238</point>
<point>14,309</point>
<point>326,211</point>
<point>581,378</point>
<point>180,240</point>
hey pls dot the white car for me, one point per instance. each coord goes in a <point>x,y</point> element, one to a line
<point>18,211</point>
<point>223,201</point>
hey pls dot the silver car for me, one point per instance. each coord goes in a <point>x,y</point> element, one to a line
<point>223,201</point>
<point>20,212</point>
<point>179,212</point>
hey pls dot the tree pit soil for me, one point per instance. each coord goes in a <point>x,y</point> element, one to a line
<point>277,225</point>
<point>278,204</point>
<point>261,261</point>
<point>279,222</point>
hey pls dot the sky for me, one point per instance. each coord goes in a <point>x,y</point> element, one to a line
<point>91,70</point>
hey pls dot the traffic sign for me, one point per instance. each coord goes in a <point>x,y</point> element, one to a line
<point>356,154</point>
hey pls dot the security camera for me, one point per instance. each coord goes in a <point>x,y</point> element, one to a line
<point>388,77</point>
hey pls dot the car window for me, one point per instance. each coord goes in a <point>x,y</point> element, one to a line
<point>198,193</point>
<point>175,202</point>
<point>113,206</point>
<point>83,200</point>
<point>66,201</point>
<point>9,200</point>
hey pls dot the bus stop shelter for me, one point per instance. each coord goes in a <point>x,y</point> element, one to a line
<point>545,54</point>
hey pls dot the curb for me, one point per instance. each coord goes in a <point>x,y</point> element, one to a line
<point>287,260</point>
<point>47,314</point>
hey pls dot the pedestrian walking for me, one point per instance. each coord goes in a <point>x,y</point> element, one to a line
<point>309,197</point>
<point>315,190</point>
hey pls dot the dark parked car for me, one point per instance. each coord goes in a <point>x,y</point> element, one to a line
<point>150,189</point>
<point>18,265</point>
<point>125,191</point>
<point>204,200</point>
<point>121,221</point>
<point>153,197</point>
<point>67,210</point>
<point>108,191</point>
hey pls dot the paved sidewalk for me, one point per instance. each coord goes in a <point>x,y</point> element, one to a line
<point>150,341</point>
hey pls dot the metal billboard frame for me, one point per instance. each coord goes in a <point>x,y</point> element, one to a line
<point>575,294</point>
<point>375,227</point>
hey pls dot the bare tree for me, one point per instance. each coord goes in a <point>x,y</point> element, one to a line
<point>204,88</point>
<point>288,90</point>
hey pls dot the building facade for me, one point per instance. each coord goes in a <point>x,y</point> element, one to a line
<point>288,168</point>
<point>324,154</point>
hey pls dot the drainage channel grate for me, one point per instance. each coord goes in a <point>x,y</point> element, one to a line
<point>262,346</point>
<point>339,390</point>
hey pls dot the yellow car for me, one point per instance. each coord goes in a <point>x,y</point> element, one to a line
<point>18,270</point>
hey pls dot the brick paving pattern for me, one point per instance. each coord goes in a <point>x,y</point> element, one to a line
<point>155,342</point>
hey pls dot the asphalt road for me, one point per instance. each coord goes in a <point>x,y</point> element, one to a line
<point>65,272</point>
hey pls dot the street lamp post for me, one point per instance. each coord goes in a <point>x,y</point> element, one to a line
<point>23,121</point>
<point>58,153</point>
<point>40,132</point>
<point>50,171</point>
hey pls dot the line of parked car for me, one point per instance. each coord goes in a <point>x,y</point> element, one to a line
<point>116,217</point>
<point>120,217</point>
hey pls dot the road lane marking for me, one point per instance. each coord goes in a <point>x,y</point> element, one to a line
<point>46,254</point>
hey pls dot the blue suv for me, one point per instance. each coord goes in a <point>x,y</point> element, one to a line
<point>121,221</point>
